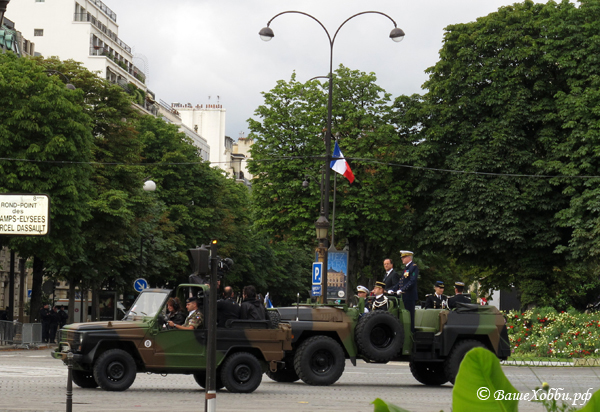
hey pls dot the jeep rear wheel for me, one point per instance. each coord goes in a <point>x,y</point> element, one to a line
<point>84,379</point>
<point>429,373</point>
<point>241,373</point>
<point>379,336</point>
<point>115,370</point>
<point>200,378</point>
<point>456,356</point>
<point>319,361</point>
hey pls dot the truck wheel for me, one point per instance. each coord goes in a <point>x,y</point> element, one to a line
<point>456,356</point>
<point>379,336</point>
<point>241,373</point>
<point>429,373</point>
<point>200,378</point>
<point>115,370</point>
<point>287,374</point>
<point>84,379</point>
<point>319,361</point>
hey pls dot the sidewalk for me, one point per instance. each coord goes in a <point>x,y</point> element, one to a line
<point>36,346</point>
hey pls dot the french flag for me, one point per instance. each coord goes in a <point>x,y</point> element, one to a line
<point>341,165</point>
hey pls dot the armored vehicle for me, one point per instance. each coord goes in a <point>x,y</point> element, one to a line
<point>325,335</point>
<point>109,354</point>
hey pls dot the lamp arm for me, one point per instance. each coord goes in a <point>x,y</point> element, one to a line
<point>358,14</point>
<point>306,14</point>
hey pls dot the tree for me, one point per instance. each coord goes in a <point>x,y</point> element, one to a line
<point>371,214</point>
<point>45,146</point>
<point>512,100</point>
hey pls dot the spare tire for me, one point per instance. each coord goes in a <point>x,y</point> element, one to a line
<point>274,317</point>
<point>379,336</point>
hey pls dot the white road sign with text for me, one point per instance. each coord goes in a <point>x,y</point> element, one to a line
<point>24,214</point>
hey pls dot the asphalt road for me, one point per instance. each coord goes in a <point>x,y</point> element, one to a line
<point>33,381</point>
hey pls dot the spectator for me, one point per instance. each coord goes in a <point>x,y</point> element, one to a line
<point>63,317</point>
<point>252,308</point>
<point>227,308</point>
<point>53,327</point>
<point>45,319</point>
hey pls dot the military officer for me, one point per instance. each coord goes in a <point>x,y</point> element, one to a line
<point>458,295</point>
<point>195,318</point>
<point>407,288</point>
<point>437,300</point>
<point>381,301</point>
<point>363,292</point>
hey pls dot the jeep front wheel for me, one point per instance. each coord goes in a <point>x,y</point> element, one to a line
<point>456,356</point>
<point>241,373</point>
<point>319,361</point>
<point>429,373</point>
<point>84,379</point>
<point>115,370</point>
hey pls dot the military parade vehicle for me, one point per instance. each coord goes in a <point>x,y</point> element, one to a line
<point>324,336</point>
<point>109,354</point>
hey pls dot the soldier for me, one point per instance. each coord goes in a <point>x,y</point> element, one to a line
<point>195,318</point>
<point>407,288</point>
<point>437,300</point>
<point>362,292</point>
<point>458,296</point>
<point>391,277</point>
<point>381,301</point>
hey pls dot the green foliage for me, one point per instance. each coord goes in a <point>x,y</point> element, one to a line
<point>382,406</point>
<point>480,368</point>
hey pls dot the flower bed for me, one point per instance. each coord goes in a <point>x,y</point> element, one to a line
<point>543,332</point>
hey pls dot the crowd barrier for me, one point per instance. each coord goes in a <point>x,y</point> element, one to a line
<point>24,335</point>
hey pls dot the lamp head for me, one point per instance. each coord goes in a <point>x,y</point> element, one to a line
<point>266,34</point>
<point>397,34</point>
<point>149,186</point>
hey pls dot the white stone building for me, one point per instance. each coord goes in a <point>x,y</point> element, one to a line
<point>85,31</point>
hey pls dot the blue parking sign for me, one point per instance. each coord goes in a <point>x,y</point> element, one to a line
<point>317,270</point>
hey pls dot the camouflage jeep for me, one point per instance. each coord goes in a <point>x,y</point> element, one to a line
<point>325,335</point>
<point>109,354</point>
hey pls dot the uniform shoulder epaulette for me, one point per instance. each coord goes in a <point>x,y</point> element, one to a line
<point>428,295</point>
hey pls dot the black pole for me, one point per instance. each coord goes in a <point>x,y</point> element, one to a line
<point>11,289</point>
<point>210,404</point>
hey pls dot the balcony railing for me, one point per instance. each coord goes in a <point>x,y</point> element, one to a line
<point>131,69</point>
<point>91,19</point>
<point>105,9</point>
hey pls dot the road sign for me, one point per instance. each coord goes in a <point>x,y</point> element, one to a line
<point>24,214</point>
<point>316,290</point>
<point>317,270</point>
<point>140,284</point>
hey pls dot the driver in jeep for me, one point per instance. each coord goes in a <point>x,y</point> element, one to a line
<point>195,318</point>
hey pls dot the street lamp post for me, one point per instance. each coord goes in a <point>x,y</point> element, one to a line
<point>266,34</point>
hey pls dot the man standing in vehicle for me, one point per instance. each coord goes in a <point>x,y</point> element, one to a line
<point>391,277</point>
<point>408,290</point>
<point>195,318</point>
<point>458,297</point>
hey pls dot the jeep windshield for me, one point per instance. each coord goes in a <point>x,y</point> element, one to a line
<point>147,304</point>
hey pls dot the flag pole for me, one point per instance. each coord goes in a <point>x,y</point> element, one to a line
<point>332,245</point>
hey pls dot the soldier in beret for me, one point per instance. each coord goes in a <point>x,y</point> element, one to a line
<point>195,318</point>
<point>437,300</point>
<point>458,296</point>
<point>381,301</point>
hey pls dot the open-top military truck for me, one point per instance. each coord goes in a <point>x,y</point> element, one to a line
<point>325,335</point>
<point>109,354</point>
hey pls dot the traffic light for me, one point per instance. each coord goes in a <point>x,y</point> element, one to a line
<point>199,261</point>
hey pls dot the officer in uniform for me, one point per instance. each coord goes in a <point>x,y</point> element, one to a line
<point>407,288</point>
<point>381,301</point>
<point>195,318</point>
<point>458,297</point>
<point>437,300</point>
<point>362,292</point>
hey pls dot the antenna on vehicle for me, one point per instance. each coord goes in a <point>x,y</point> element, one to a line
<point>297,305</point>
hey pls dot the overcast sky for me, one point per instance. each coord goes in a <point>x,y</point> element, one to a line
<point>199,48</point>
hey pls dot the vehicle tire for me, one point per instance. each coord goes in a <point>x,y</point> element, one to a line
<point>287,374</point>
<point>379,336</point>
<point>115,370</point>
<point>274,317</point>
<point>84,379</point>
<point>456,356</point>
<point>319,361</point>
<point>241,373</point>
<point>429,373</point>
<point>200,378</point>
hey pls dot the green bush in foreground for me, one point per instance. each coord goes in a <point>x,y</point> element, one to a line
<point>543,332</point>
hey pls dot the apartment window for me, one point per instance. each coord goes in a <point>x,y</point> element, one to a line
<point>38,32</point>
